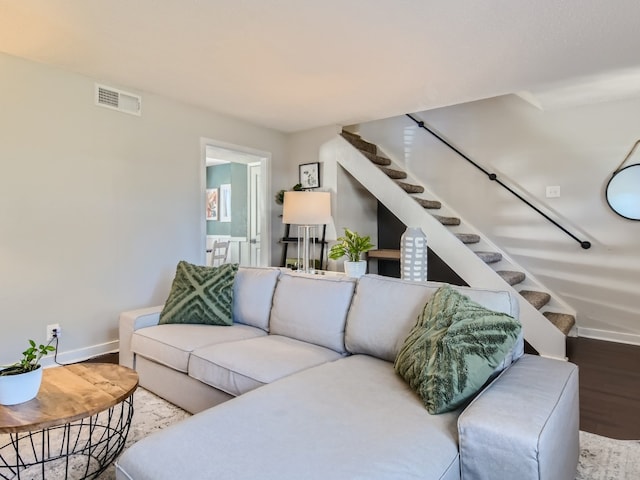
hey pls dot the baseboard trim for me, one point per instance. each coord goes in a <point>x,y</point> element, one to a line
<point>74,356</point>
<point>619,337</point>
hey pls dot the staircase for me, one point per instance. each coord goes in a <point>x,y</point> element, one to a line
<point>537,306</point>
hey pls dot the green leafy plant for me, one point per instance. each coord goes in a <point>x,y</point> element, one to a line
<point>30,359</point>
<point>280,195</point>
<point>351,245</point>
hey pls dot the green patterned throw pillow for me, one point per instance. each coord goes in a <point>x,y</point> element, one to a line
<point>453,349</point>
<point>200,295</point>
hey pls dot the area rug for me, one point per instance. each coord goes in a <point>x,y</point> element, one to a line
<point>151,413</point>
<point>601,458</point>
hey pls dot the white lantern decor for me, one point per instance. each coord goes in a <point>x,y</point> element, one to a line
<point>413,255</point>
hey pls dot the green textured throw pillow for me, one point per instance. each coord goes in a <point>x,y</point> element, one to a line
<point>200,295</point>
<point>453,349</point>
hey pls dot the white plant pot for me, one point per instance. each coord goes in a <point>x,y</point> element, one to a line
<point>355,269</point>
<point>20,388</point>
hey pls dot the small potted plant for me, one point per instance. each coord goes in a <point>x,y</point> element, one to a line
<point>280,195</point>
<point>20,381</point>
<point>352,245</point>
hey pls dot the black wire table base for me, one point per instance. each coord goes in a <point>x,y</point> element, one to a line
<point>73,451</point>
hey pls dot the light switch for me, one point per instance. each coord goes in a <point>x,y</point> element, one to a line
<point>553,192</point>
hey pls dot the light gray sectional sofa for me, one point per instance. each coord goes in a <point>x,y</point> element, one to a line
<point>309,360</point>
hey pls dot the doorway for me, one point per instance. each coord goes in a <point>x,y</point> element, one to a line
<point>234,188</point>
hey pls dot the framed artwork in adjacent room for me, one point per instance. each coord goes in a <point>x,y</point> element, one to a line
<point>225,202</point>
<point>309,175</point>
<point>212,204</point>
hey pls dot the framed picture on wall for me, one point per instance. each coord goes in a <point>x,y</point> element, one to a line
<point>309,175</point>
<point>212,204</point>
<point>225,202</point>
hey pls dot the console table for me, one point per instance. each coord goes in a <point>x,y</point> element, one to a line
<point>74,428</point>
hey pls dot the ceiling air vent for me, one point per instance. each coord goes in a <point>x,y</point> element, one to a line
<point>118,100</point>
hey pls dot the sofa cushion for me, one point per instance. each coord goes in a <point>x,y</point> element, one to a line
<point>172,344</point>
<point>200,295</point>
<point>312,309</point>
<point>253,294</point>
<point>238,367</point>
<point>385,309</point>
<point>349,419</point>
<point>453,349</point>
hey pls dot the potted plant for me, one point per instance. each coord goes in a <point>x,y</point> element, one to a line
<point>280,195</point>
<point>20,381</point>
<point>352,245</point>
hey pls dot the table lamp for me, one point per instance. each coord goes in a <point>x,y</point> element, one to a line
<point>307,210</point>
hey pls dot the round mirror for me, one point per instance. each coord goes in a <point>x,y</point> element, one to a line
<point>623,192</point>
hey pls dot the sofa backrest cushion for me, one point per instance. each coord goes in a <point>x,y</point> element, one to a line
<point>253,294</point>
<point>384,310</point>
<point>312,309</point>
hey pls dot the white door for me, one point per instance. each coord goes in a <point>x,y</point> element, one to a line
<point>254,213</point>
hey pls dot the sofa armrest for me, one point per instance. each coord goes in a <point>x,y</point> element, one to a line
<point>524,425</point>
<point>130,322</point>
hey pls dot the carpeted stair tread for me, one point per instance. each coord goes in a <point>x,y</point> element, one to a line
<point>468,238</point>
<point>562,321</point>
<point>360,144</point>
<point>409,188</point>
<point>449,221</point>
<point>489,257</point>
<point>537,299</point>
<point>511,277</point>
<point>377,159</point>
<point>350,135</point>
<point>395,174</point>
<point>431,204</point>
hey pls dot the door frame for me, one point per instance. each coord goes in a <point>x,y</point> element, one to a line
<point>264,158</point>
<point>250,202</point>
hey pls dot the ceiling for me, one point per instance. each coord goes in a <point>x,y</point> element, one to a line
<point>297,64</point>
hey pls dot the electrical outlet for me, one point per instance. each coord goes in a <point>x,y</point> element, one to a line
<point>50,330</point>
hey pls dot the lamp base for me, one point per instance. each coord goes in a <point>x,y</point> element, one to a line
<point>306,248</point>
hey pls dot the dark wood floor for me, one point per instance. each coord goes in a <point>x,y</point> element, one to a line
<point>609,387</point>
<point>106,358</point>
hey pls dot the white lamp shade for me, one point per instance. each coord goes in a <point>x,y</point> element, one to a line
<point>306,208</point>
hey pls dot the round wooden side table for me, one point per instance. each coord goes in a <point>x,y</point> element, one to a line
<point>74,428</point>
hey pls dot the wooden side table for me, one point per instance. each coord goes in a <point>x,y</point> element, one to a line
<point>75,427</point>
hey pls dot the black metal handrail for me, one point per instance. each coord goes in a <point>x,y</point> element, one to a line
<point>494,177</point>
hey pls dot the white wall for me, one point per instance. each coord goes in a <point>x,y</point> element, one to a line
<point>575,148</point>
<point>96,206</point>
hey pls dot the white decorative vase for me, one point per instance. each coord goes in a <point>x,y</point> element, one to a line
<point>20,388</point>
<point>355,269</point>
<point>413,255</point>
